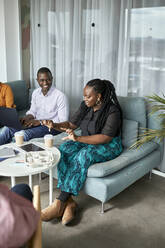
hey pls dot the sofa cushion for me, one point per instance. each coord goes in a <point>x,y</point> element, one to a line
<point>126,158</point>
<point>129,132</point>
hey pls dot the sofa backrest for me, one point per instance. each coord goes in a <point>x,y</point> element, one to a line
<point>134,117</point>
<point>21,94</point>
<point>134,108</point>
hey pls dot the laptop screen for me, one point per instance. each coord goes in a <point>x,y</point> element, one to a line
<point>9,118</point>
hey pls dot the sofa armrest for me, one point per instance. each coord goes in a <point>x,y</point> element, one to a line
<point>155,122</point>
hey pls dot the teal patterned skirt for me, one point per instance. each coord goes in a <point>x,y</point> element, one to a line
<point>76,158</point>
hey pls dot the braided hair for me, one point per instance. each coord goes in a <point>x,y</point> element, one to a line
<point>108,97</point>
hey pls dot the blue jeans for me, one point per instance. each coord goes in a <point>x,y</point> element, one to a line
<point>7,133</point>
<point>23,190</point>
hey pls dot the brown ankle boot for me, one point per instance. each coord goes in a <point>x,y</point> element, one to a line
<point>55,210</point>
<point>69,212</point>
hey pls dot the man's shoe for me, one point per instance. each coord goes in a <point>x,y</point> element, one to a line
<point>55,210</point>
<point>69,212</point>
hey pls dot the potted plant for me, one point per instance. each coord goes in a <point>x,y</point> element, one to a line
<point>157,104</point>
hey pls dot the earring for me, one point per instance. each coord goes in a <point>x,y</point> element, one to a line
<point>98,102</point>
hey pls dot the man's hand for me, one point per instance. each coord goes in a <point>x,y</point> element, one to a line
<point>71,135</point>
<point>26,119</point>
<point>32,123</point>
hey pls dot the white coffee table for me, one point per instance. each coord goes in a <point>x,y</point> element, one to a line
<point>15,167</point>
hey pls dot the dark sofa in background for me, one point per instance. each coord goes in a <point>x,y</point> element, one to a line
<point>21,95</point>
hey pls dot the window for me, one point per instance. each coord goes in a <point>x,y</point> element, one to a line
<point>147,51</point>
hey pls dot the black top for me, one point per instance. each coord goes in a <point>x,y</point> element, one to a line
<point>87,125</point>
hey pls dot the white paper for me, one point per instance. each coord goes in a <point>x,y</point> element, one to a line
<point>7,152</point>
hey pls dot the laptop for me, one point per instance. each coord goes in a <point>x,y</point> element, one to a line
<point>9,118</point>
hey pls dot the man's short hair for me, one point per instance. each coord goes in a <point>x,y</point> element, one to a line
<point>44,70</point>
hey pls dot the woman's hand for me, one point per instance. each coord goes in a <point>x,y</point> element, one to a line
<point>48,123</point>
<point>61,126</point>
<point>71,135</point>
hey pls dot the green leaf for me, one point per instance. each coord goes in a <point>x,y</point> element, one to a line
<point>156,98</point>
<point>146,135</point>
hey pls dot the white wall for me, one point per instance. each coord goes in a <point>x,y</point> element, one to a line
<point>3,70</point>
<point>10,41</point>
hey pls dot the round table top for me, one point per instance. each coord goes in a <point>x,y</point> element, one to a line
<point>15,167</point>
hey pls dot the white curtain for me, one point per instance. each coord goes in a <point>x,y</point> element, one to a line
<point>78,40</point>
<point>146,60</point>
<point>124,46</point>
<point>122,41</point>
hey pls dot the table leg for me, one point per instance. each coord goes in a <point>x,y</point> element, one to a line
<point>40,178</point>
<point>12,181</point>
<point>50,186</point>
<point>30,181</point>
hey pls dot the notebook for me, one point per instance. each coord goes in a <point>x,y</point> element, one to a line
<point>9,118</point>
<point>7,152</point>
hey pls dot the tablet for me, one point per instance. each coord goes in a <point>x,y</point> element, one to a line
<point>31,148</point>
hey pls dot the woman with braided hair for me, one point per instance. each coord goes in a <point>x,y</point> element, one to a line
<point>100,119</point>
